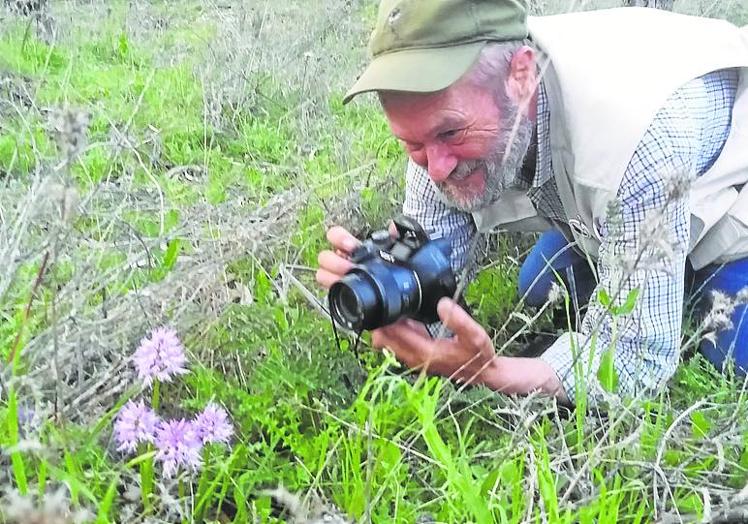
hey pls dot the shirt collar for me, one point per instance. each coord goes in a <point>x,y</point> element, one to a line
<point>543,170</point>
<point>536,176</point>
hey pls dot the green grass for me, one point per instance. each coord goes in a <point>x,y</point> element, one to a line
<point>381,444</point>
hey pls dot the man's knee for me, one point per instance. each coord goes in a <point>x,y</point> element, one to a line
<point>729,340</point>
<point>548,259</point>
<point>533,285</point>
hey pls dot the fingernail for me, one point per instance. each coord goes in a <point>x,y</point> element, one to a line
<point>350,244</point>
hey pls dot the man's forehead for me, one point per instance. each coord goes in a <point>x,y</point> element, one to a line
<point>408,103</point>
<point>428,111</point>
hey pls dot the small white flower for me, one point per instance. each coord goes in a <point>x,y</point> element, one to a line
<point>742,296</point>
<point>556,294</point>
<point>718,318</point>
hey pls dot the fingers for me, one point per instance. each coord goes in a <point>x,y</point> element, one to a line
<point>334,263</point>
<point>379,339</point>
<point>392,228</point>
<point>386,336</point>
<point>403,336</point>
<point>332,267</point>
<point>326,278</point>
<point>401,332</point>
<point>341,239</point>
<point>410,342</point>
<point>462,324</point>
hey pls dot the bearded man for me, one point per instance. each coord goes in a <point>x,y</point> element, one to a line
<point>621,134</point>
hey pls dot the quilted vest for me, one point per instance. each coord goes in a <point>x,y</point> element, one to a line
<point>608,73</point>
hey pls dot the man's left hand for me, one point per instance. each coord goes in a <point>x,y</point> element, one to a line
<point>468,357</point>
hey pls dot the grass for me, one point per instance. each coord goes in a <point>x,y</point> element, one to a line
<point>217,154</point>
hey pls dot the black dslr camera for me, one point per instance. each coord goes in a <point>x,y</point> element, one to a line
<point>394,278</point>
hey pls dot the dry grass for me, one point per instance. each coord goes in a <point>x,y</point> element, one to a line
<point>88,256</point>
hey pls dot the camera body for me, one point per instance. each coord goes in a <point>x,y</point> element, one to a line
<point>394,278</point>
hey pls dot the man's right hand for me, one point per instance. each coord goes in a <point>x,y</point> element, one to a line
<point>334,264</point>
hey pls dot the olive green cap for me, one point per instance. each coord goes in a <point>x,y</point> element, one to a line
<point>426,45</point>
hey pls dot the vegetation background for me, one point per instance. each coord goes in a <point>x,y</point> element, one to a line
<point>177,163</point>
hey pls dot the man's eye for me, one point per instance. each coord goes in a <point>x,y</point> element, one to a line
<point>450,134</point>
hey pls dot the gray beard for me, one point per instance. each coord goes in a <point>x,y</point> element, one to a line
<point>501,169</point>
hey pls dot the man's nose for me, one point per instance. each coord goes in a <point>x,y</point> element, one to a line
<point>440,163</point>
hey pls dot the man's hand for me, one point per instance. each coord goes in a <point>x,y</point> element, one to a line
<point>334,264</point>
<point>467,357</point>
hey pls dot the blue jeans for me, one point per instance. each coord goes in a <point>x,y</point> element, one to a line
<point>552,256</point>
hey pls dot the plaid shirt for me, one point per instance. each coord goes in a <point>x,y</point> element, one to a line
<point>686,136</point>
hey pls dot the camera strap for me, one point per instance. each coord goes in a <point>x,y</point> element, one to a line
<point>335,330</point>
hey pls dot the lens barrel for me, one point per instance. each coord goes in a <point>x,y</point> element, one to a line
<point>355,301</point>
<point>377,292</point>
<point>374,294</point>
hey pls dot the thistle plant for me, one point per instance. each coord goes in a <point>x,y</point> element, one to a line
<point>719,316</point>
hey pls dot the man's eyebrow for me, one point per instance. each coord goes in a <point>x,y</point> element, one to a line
<point>447,123</point>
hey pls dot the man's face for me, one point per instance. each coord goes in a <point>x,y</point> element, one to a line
<point>463,136</point>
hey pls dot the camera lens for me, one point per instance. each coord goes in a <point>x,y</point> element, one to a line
<point>355,302</point>
<point>374,295</point>
<point>347,303</point>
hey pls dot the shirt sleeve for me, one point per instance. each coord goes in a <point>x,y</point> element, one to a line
<point>645,240</point>
<point>424,204</point>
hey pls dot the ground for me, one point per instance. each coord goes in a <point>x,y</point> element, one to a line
<point>176,164</point>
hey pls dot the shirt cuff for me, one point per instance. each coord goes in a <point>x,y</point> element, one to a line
<point>439,330</point>
<point>575,366</point>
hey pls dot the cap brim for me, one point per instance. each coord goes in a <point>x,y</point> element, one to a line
<point>416,70</point>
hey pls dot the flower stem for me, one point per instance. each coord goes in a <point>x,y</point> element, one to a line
<point>146,467</point>
<point>180,491</point>
<point>155,399</point>
<point>202,485</point>
<point>146,480</point>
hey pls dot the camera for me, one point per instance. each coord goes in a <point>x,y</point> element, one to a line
<point>394,278</point>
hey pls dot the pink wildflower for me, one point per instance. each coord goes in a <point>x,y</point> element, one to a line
<point>212,425</point>
<point>160,357</point>
<point>135,423</point>
<point>178,445</point>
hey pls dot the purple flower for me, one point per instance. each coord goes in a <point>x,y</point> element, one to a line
<point>212,425</point>
<point>135,423</point>
<point>178,445</point>
<point>160,357</point>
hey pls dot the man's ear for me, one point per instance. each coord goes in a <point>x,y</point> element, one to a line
<point>522,79</point>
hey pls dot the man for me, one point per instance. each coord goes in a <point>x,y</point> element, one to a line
<point>623,134</point>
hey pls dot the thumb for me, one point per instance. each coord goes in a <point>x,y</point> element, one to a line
<point>461,324</point>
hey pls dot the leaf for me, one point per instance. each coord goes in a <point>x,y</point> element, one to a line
<point>106,504</point>
<point>630,303</point>
<point>172,252</point>
<point>490,482</point>
<point>606,373</point>
<point>699,424</point>
<point>123,45</point>
<point>603,297</point>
